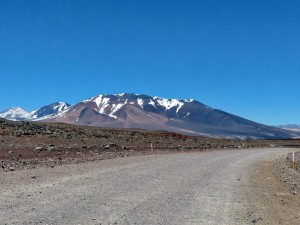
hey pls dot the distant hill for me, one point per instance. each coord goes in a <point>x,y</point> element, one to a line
<point>14,113</point>
<point>292,127</point>
<point>17,113</point>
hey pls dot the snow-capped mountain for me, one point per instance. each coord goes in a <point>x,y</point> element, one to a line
<point>47,110</point>
<point>17,113</point>
<point>110,105</point>
<point>13,113</point>
<point>186,116</point>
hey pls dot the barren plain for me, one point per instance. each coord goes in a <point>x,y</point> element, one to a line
<point>62,174</point>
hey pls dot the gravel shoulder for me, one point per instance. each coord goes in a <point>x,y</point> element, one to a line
<point>216,187</point>
<point>270,192</point>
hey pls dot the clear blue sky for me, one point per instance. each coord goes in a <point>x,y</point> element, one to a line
<point>239,56</point>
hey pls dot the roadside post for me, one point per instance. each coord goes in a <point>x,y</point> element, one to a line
<point>151,146</point>
<point>293,162</point>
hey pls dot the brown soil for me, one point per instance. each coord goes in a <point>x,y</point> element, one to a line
<point>273,195</point>
<point>30,144</point>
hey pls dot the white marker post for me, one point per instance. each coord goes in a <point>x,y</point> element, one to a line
<point>293,159</point>
<point>151,146</point>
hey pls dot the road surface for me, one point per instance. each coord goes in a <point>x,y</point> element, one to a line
<point>184,188</point>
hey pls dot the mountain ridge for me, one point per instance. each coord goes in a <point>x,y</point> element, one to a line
<point>292,127</point>
<point>18,113</point>
<point>13,113</point>
<point>186,116</point>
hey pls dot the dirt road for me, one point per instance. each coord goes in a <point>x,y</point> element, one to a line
<point>184,188</point>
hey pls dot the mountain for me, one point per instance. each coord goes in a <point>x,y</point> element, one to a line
<point>292,127</point>
<point>186,116</point>
<point>47,110</point>
<point>17,113</point>
<point>13,113</point>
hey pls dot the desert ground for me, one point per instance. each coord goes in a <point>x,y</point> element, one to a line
<point>62,174</point>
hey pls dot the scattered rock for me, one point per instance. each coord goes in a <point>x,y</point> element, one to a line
<point>106,147</point>
<point>34,144</point>
<point>39,148</point>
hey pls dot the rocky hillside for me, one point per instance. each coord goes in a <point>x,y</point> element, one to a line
<point>30,144</point>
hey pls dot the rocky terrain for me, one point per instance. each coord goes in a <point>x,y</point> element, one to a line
<point>27,145</point>
<point>271,192</point>
<point>31,144</point>
<point>289,172</point>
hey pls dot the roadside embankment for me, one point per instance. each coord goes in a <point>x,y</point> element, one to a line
<point>271,192</point>
<point>289,171</point>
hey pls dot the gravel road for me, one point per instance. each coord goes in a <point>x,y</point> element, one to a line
<point>184,188</point>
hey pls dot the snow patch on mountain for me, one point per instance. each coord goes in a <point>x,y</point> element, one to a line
<point>152,103</point>
<point>169,103</point>
<point>140,102</point>
<point>14,113</point>
<point>102,102</point>
<point>121,95</point>
<point>105,105</point>
<point>189,100</point>
<point>52,109</point>
<point>32,115</point>
<point>60,107</point>
<point>115,108</point>
<point>110,104</point>
<point>292,127</point>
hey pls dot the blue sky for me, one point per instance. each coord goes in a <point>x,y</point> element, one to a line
<point>239,56</point>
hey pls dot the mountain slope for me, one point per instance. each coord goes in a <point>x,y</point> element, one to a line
<point>184,116</point>
<point>142,111</point>
<point>14,113</point>
<point>292,127</point>
<point>47,110</point>
<point>17,113</point>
